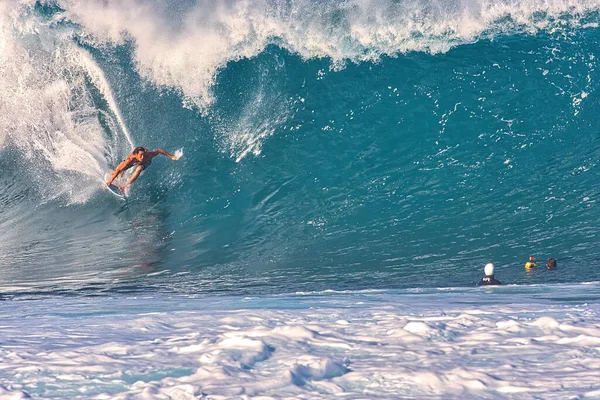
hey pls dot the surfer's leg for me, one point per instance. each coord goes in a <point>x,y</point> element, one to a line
<point>133,177</point>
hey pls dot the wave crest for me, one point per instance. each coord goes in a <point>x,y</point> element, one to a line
<point>184,46</point>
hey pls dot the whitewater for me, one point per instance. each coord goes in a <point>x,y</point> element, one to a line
<point>349,168</point>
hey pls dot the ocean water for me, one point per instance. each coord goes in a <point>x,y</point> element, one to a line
<point>349,167</point>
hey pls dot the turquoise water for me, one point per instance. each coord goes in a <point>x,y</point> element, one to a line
<point>314,158</point>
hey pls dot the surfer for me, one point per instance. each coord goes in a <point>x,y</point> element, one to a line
<point>489,279</point>
<point>141,157</point>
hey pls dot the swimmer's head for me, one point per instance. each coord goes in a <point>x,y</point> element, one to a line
<point>489,269</point>
<point>532,258</point>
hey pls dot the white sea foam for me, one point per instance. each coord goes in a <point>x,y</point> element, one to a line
<point>475,343</point>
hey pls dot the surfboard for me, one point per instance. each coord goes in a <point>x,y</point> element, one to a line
<point>114,189</point>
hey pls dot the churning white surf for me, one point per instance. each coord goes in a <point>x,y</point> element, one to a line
<point>530,342</point>
<point>48,109</point>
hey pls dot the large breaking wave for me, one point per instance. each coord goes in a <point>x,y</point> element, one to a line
<point>341,144</point>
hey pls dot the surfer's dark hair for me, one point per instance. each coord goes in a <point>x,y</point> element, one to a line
<point>138,150</point>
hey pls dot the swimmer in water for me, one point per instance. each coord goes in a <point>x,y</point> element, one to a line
<point>489,279</point>
<point>140,157</point>
<point>551,264</point>
<point>529,265</point>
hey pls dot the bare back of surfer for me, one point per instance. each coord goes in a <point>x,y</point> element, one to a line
<point>141,158</point>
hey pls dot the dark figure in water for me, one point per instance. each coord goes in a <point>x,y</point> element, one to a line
<point>489,279</point>
<point>551,264</point>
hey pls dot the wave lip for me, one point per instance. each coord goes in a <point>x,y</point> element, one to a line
<point>184,47</point>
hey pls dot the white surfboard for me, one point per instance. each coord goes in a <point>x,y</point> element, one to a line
<point>117,192</point>
<point>114,189</point>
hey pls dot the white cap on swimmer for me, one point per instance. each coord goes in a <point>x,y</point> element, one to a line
<point>489,269</point>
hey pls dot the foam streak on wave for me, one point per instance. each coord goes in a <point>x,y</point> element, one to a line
<point>184,46</point>
<point>99,80</point>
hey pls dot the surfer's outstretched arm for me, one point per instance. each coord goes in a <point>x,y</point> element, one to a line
<point>132,178</point>
<point>161,151</point>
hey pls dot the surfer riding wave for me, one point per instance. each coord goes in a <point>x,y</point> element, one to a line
<point>140,157</point>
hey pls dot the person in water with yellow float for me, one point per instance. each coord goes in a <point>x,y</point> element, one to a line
<point>531,264</point>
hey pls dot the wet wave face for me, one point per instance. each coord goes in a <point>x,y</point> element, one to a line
<point>340,144</point>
